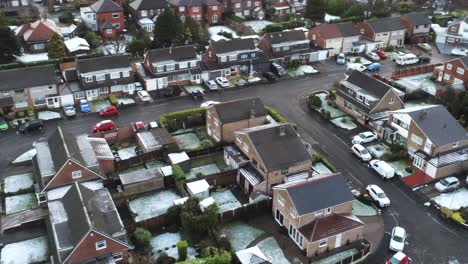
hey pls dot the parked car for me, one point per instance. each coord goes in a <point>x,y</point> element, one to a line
<point>382,168</point>
<point>211,85</point>
<point>364,137</point>
<point>372,55</point>
<point>223,82</point>
<point>407,59</point>
<point>138,86</point>
<point>84,106</point>
<point>356,66</point>
<point>378,195</point>
<point>109,111</point>
<point>399,258</point>
<point>33,125</point>
<point>424,46</point>
<point>361,152</point>
<point>270,76</point>
<point>144,96</point>
<point>3,124</point>
<point>208,104</point>
<point>197,94</point>
<point>341,59</point>
<point>104,125</point>
<point>424,59</point>
<point>397,240</point>
<point>374,67</point>
<point>447,184</point>
<point>69,110</point>
<point>381,54</point>
<point>278,69</point>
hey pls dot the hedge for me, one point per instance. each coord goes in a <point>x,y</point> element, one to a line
<point>273,113</point>
<point>163,119</point>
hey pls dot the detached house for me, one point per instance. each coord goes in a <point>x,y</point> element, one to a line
<point>366,98</point>
<point>232,58</point>
<point>275,151</point>
<point>145,12</point>
<point>247,8</point>
<point>199,10</point>
<point>453,72</point>
<point>85,227</point>
<point>342,37</point>
<point>418,26</point>
<point>105,17</point>
<point>436,142</point>
<point>103,75</point>
<point>36,36</point>
<point>455,34</point>
<point>223,119</point>
<point>167,67</point>
<point>317,213</point>
<point>390,31</point>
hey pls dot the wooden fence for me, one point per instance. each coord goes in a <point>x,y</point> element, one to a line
<point>139,159</point>
<point>246,211</point>
<point>413,71</point>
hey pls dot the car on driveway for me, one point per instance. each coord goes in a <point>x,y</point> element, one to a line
<point>109,111</point>
<point>30,126</point>
<point>382,168</point>
<point>278,69</point>
<point>197,94</point>
<point>361,152</point>
<point>364,137</point>
<point>69,110</point>
<point>208,104</point>
<point>104,125</point>
<point>341,59</point>
<point>424,59</point>
<point>84,106</point>
<point>378,195</point>
<point>270,76</point>
<point>223,82</point>
<point>211,85</point>
<point>424,46</point>
<point>356,66</point>
<point>399,258</point>
<point>374,67</point>
<point>372,55</point>
<point>381,54</point>
<point>397,240</point>
<point>144,96</point>
<point>3,124</point>
<point>447,184</point>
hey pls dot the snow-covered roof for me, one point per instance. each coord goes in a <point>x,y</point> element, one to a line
<point>101,148</point>
<point>206,203</point>
<point>177,158</point>
<point>166,170</point>
<point>196,187</point>
<point>245,256</point>
<point>145,21</point>
<point>86,150</point>
<point>76,44</point>
<point>67,30</point>
<point>58,193</point>
<point>140,176</point>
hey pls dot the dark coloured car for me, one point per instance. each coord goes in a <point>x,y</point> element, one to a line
<point>424,59</point>
<point>278,69</point>
<point>269,76</point>
<point>34,125</point>
<point>197,94</point>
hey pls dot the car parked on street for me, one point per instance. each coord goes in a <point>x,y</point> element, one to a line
<point>278,69</point>
<point>372,55</point>
<point>208,104</point>
<point>84,106</point>
<point>399,258</point>
<point>211,85</point>
<point>424,59</point>
<point>109,111</point>
<point>382,168</point>
<point>374,67</point>
<point>406,59</point>
<point>270,76</point>
<point>30,126</point>
<point>424,46</point>
<point>223,82</point>
<point>364,137</point>
<point>104,125</point>
<point>447,184</point>
<point>397,240</point>
<point>3,124</point>
<point>356,66</point>
<point>378,195</point>
<point>341,59</point>
<point>381,54</point>
<point>69,110</point>
<point>361,152</point>
<point>144,96</point>
<point>197,94</point>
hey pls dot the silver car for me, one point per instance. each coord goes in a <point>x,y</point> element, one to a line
<point>69,110</point>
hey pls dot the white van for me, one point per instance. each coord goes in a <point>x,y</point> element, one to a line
<point>407,59</point>
<point>382,168</point>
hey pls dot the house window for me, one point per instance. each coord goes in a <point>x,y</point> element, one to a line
<point>238,5</point>
<point>101,245</point>
<point>446,77</point>
<point>249,4</point>
<point>223,58</point>
<point>100,77</point>
<point>160,68</point>
<point>115,15</point>
<point>392,100</point>
<point>76,174</point>
<point>285,48</point>
<point>108,31</point>
<point>103,90</point>
<point>449,66</point>
<point>362,31</point>
<point>39,101</point>
<point>360,97</point>
<point>214,8</point>
<point>460,70</point>
<point>196,9</point>
<point>244,56</point>
<point>232,57</point>
<point>323,243</point>
<point>117,256</point>
<point>284,171</point>
<point>257,3</point>
<point>181,8</point>
<point>416,139</point>
<point>252,55</point>
<point>19,91</point>
<point>280,199</point>
<point>453,29</point>
<point>79,95</point>
<point>126,74</point>
<point>115,75</point>
<point>183,65</point>
<point>89,79</point>
<point>293,212</point>
<point>329,210</point>
<point>170,67</point>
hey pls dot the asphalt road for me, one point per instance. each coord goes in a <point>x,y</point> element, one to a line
<point>429,239</point>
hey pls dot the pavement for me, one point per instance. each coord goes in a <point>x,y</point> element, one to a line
<point>430,240</point>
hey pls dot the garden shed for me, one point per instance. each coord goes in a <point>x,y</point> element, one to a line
<point>140,181</point>
<point>198,189</point>
<point>181,159</point>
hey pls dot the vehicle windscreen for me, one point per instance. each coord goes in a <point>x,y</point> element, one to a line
<point>398,239</point>
<point>364,152</point>
<point>444,182</point>
<point>381,195</point>
<point>362,136</point>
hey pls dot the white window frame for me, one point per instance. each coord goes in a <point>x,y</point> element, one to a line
<point>118,256</point>
<point>233,57</point>
<point>170,67</point>
<point>115,15</point>
<point>115,75</point>
<point>416,139</point>
<point>195,9</point>
<point>323,243</point>
<point>76,174</point>
<point>223,58</point>
<point>293,212</point>
<point>329,210</point>
<point>214,8</point>
<point>446,76</point>
<point>237,5</point>
<point>160,68</point>
<point>280,199</point>
<point>100,77</point>
<point>183,65</point>
<point>103,90</point>
<point>392,100</point>
<point>460,70</point>
<point>126,74</point>
<point>181,8</point>
<point>89,79</point>
<point>79,95</point>
<point>101,244</point>
<point>449,66</point>
<point>108,31</point>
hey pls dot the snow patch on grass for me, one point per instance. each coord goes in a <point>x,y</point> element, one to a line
<point>334,112</point>
<point>454,200</point>
<point>377,150</point>
<point>48,115</point>
<point>187,141</point>
<point>400,167</point>
<point>213,31</point>
<point>360,209</point>
<point>257,25</point>
<point>27,251</point>
<point>28,58</point>
<point>27,156</point>
<point>205,170</point>
<point>321,168</point>
<point>241,235</point>
<point>337,258</point>
<point>272,251</point>
<point>344,122</point>
<point>152,205</point>
<point>16,183</point>
<point>226,201</point>
<point>167,242</point>
<point>18,203</point>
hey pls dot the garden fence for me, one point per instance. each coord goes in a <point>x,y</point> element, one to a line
<point>413,71</point>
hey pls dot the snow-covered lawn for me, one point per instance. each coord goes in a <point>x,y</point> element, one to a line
<point>27,156</point>
<point>337,258</point>
<point>417,82</point>
<point>213,31</point>
<point>329,17</point>
<point>400,167</point>
<point>127,153</point>
<point>454,200</point>
<point>257,25</point>
<point>240,235</point>
<point>152,205</point>
<point>294,72</point>
<point>205,170</point>
<point>360,209</point>
<point>344,122</point>
<point>187,141</point>
<point>27,251</point>
<point>377,150</point>
<point>307,69</point>
<point>167,242</point>
<point>18,203</point>
<point>27,58</point>
<point>226,201</point>
<point>125,101</point>
<point>16,183</point>
<point>321,168</point>
<point>272,251</point>
<point>419,103</point>
<point>334,112</point>
<point>48,115</point>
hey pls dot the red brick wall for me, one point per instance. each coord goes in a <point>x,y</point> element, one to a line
<point>319,38</point>
<point>210,13</point>
<point>64,176</point>
<point>264,44</point>
<point>108,17</point>
<point>209,55</point>
<point>453,72</point>
<point>368,32</point>
<point>408,25</point>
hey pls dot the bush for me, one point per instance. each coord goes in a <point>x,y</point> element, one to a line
<point>182,250</point>
<point>224,244</point>
<point>446,212</point>
<point>113,99</point>
<point>389,49</point>
<point>66,17</point>
<point>458,218</point>
<point>179,177</point>
<point>225,34</point>
<point>295,64</point>
<point>357,60</point>
<point>141,239</point>
<point>199,223</point>
<point>206,143</point>
<point>173,214</point>
<point>165,259</point>
<point>273,113</point>
<point>20,114</point>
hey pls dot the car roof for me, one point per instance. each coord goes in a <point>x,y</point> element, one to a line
<point>398,230</point>
<point>359,146</point>
<point>376,188</point>
<point>451,179</point>
<point>367,133</point>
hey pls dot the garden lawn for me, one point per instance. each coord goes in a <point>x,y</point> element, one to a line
<point>18,203</point>
<point>337,258</point>
<point>215,158</point>
<point>28,251</point>
<point>225,200</point>
<point>257,25</point>
<point>99,104</point>
<point>204,170</point>
<point>192,88</point>
<point>344,122</point>
<point>167,242</point>
<point>214,30</point>
<point>272,251</point>
<point>334,112</point>
<point>17,183</point>
<point>454,200</point>
<point>241,235</point>
<point>152,205</point>
<point>187,141</point>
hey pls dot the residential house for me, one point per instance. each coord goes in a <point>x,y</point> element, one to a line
<point>76,47</point>
<point>103,75</point>
<point>199,10</point>
<point>317,213</point>
<point>145,12</point>
<point>287,46</point>
<point>17,8</point>
<point>223,119</point>
<point>352,41</point>
<point>366,98</point>
<point>418,26</point>
<point>232,58</point>
<point>105,17</point>
<point>453,72</point>
<point>85,227</point>
<point>61,160</point>
<point>275,151</point>
<point>163,68</point>
<point>390,31</point>
<point>456,34</point>
<point>435,140</point>
<point>246,8</point>
<point>36,36</point>
<point>34,86</point>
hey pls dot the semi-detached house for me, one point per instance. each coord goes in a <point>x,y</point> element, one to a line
<point>199,10</point>
<point>105,17</point>
<point>342,37</point>
<point>390,31</point>
<point>418,26</point>
<point>453,72</point>
<point>146,12</point>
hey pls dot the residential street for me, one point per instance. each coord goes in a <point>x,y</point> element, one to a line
<point>429,239</point>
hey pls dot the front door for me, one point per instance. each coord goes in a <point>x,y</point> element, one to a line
<point>338,241</point>
<point>92,94</point>
<point>279,217</point>
<point>53,102</point>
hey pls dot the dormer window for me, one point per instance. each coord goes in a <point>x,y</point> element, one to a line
<point>233,57</point>
<point>160,68</point>
<point>170,67</point>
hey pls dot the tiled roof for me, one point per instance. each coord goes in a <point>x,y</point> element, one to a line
<point>347,29</point>
<point>386,24</point>
<point>418,18</point>
<point>233,45</point>
<point>237,110</point>
<point>371,85</point>
<point>103,63</point>
<point>330,31</point>
<point>36,76</point>
<point>149,4</point>
<point>285,36</point>
<point>39,31</point>
<point>328,226</point>
<point>181,53</point>
<point>106,6</point>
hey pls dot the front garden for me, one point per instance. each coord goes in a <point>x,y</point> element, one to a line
<point>34,250</point>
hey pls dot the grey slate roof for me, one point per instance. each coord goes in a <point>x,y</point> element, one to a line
<point>371,85</point>
<point>418,18</point>
<point>315,195</point>
<point>439,125</point>
<point>106,25</point>
<point>104,6</point>
<point>103,63</point>
<point>464,60</point>
<point>285,36</point>
<point>386,24</point>
<point>237,110</point>
<point>278,146</point>
<point>182,53</point>
<point>233,45</point>
<point>347,29</point>
<point>36,76</point>
<point>149,4</point>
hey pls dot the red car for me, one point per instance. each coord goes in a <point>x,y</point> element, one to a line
<point>399,258</point>
<point>109,111</point>
<point>381,54</point>
<point>104,125</point>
